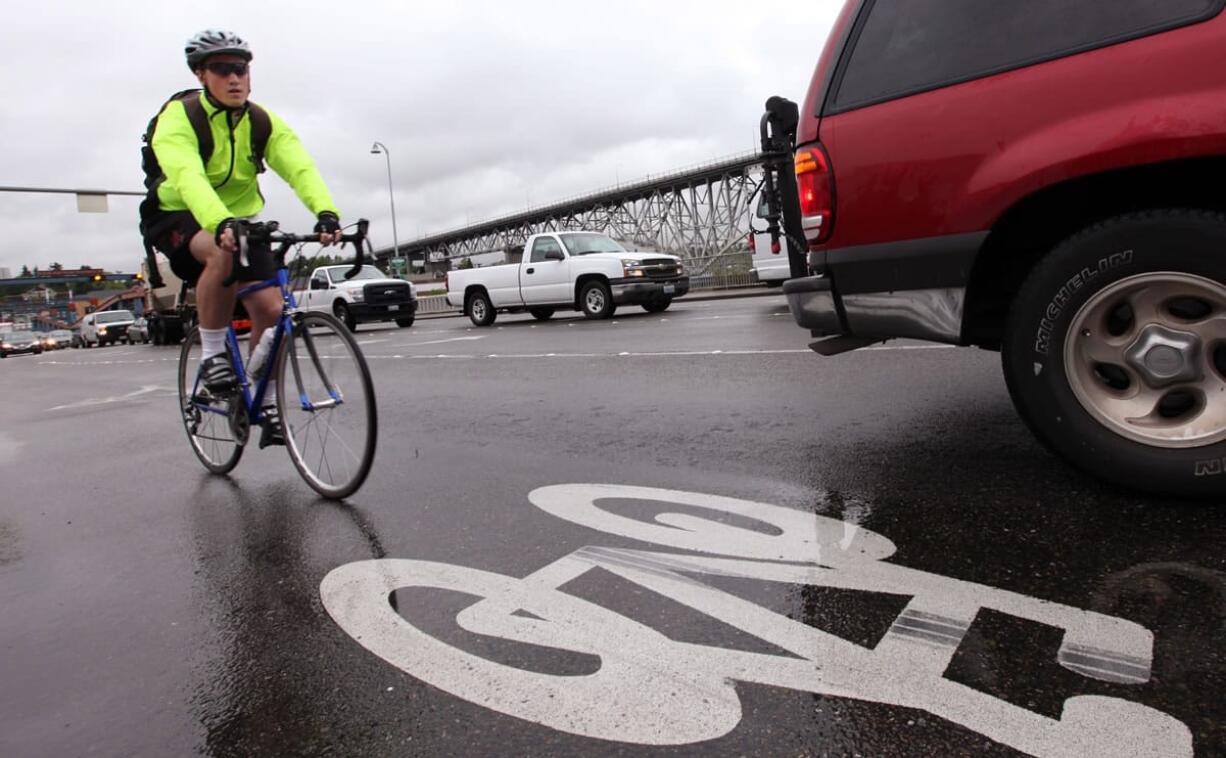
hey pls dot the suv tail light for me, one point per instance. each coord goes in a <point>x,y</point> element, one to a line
<point>815,184</point>
<point>753,246</point>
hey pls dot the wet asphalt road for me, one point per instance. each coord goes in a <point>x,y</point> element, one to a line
<point>147,608</point>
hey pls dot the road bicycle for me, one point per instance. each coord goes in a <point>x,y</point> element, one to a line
<point>325,398</point>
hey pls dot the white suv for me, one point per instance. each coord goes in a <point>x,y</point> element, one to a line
<point>104,328</point>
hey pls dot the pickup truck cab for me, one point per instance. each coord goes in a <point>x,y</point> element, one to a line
<point>369,296</point>
<point>583,271</point>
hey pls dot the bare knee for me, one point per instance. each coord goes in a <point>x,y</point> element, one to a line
<point>206,251</point>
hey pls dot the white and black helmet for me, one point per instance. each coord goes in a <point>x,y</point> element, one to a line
<point>214,42</point>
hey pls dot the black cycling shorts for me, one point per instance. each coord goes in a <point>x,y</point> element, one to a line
<point>171,232</point>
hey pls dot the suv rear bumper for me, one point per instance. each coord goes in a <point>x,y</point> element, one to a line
<point>859,295</point>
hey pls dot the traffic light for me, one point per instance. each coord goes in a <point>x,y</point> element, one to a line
<point>140,277</point>
<point>99,277</point>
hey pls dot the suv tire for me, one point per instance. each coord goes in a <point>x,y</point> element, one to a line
<point>1114,351</point>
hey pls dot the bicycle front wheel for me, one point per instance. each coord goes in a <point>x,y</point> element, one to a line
<point>206,418</point>
<point>327,404</point>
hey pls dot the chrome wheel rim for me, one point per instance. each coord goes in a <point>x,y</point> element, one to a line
<point>595,300</point>
<point>478,308</point>
<point>1146,357</point>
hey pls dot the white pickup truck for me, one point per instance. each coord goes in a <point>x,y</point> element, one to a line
<point>572,270</point>
<point>369,296</point>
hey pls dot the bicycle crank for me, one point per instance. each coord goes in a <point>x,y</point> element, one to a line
<point>240,422</point>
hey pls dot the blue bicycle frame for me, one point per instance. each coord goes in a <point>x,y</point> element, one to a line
<point>254,404</point>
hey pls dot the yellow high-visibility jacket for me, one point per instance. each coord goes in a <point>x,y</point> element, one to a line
<point>227,187</point>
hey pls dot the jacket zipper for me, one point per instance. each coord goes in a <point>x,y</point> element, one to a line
<point>231,125</point>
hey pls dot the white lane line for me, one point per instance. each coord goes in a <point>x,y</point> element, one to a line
<point>645,354</point>
<point>440,342</point>
<point>520,356</point>
<point>523,356</point>
<point>147,389</point>
<point>110,363</point>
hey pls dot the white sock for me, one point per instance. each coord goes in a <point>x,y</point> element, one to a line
<point>270,394</point>
<point>212,342</point>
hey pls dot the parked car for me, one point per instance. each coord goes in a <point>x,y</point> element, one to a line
<point>1039,178</point>
<point>17,342</point>
<point>104,328</point>
<point>138,332</point>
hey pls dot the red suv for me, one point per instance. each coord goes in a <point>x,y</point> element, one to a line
<point>1047,179</point>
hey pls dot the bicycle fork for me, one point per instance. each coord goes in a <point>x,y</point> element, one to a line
<point>335,397</point>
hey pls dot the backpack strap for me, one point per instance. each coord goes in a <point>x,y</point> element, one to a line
<point>149,162</point>
<point>199,120</point>
<point>261,130</point>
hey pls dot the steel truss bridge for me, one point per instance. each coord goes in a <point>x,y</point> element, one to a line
<point>700,213</point>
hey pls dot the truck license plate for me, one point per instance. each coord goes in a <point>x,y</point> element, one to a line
<point>669,289</point>
<point>393,307</point>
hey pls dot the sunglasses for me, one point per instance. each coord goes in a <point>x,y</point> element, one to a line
<point>225,68</point>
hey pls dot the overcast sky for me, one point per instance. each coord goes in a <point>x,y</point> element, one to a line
<point>486,107</point>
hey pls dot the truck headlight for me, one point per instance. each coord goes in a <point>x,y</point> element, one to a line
<point>359,296</point>
<point>102,330</point>
<point>632,268</point>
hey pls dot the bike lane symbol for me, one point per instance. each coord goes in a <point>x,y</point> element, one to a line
<point>652,690</point>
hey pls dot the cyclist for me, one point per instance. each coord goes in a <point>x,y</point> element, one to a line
<point>198,205</point>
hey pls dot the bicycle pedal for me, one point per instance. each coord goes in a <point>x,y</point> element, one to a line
<point>271,432</point>
<point>271,437</point>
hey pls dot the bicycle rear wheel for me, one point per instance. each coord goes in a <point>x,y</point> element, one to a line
<point>205,416</point>
<point>327,404</point>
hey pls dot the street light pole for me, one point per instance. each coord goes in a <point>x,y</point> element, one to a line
<point>375,149</point>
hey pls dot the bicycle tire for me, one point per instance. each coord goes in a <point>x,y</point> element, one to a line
<point>332,444</point>
<point>208,429</point>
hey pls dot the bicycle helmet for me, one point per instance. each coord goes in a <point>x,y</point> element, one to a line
<point>214,42</point>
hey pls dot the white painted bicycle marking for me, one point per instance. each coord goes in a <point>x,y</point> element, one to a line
<point>652,690</point>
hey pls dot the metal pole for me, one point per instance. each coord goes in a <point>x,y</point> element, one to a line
<point>377,147</point>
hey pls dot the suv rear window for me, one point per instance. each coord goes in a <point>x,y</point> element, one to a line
<point>909,46</point>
